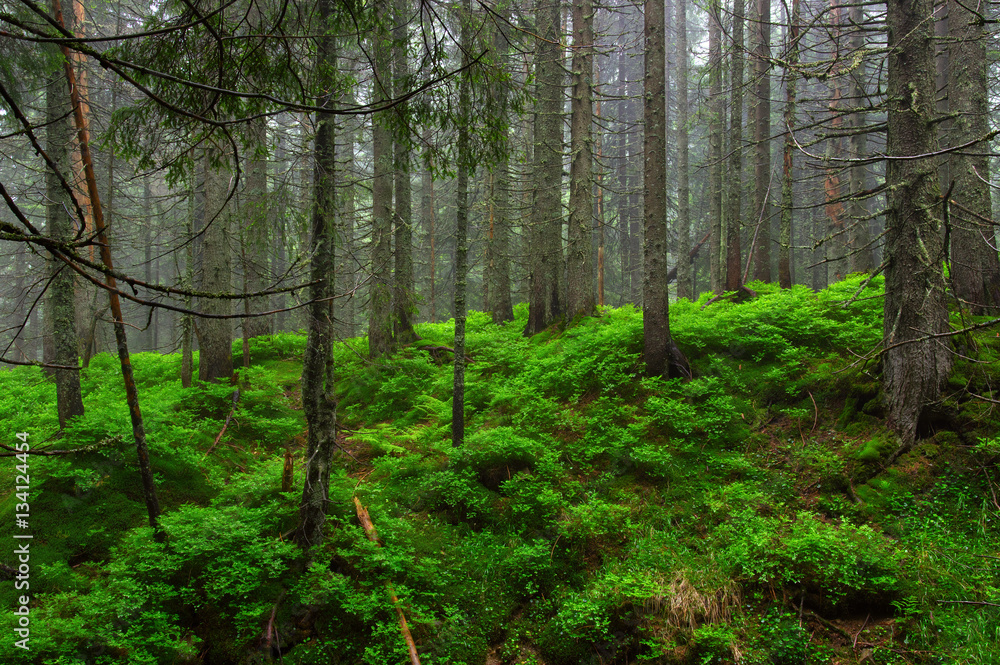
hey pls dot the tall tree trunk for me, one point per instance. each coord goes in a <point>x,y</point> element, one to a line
<point>660,354</point>
<point>60,298</point>
<point>635,184</point>
<point>862,258</point>
<point>23,331</point>
<point>762,139</point>
<point>831,182</point>
<point>256,228</point>
<point>281,178</point>
<point>346,259</point>
<point>147,259</point>
<point>187,320</point>
<point>579,257</point>
<point>685,288</point>
<point>599,218</point>
<point>215,336</point>
<point>544,302</point>
<point>819,271</point>
<point>131,392</point>
<point>462,229</point>
<point>427,208</point>
<point>655,303</point>
<point>403,288</point>
<point>734,199</point>
<point>788,171</point>
<point>975,271</point>
<point>715,130</point>
<point>380,338</point>
<point>914,372</point>
<point>497,270</point>
<point>621,165</point>
<point>319,402</point>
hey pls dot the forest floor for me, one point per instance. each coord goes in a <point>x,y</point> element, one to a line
<point>592,516</point>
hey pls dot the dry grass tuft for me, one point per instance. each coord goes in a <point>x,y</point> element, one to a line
<point>684,604</point>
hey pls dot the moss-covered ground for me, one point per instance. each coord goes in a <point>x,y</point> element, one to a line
<point>592,516</point>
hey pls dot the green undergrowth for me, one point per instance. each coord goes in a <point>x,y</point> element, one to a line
<point>593,515</point>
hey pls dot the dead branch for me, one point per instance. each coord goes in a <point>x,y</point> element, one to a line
<point>236,399</point>
<point>369,527</point>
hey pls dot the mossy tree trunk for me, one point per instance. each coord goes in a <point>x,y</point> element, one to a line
<point>684,286</point>
<point>661,355</point>
<point>545,247</point>
<point>347,259</point>
<point>256,229</point>
<point>734,193</point>
<point>403,290</point>
<point>788,161</point>
<point>380,313</point>
<point>497,276</point>
<point>715,130</point>
<point>215,335</point>
<point>81,122</point>
<point>60,307</point>
<point>580,298</point>
<point>914,372</point>
<point>859,237</point>
<point>319,403</point>
<point>975,270</point>
<point>462,230</point>
<point>762,139</point>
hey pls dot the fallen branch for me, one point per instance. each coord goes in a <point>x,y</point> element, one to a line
<point>236,399</point>
<point>815,412</point>
<point>829,625</point>
<point>369,527</point>
<point>968,602</point>
<point>854,644</point>
<point>271,636</point>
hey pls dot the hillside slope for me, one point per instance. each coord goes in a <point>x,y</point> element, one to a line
<point>593,516</point>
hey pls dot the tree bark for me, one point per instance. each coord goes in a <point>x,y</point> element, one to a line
<point>187,320</point>
<point>60,302</point>
<point>346,259</point>
<point>684,285</point>
<point>762,139</point>
<point>319,402</point>
<point>715,130</point>
<point>497,271</point>
<point>427,208</point>
<point>788,170</point>
<point>836,238</point>
<point>913,372</point>
<point>403,291</point>
<point>281,178</point>
<point>256,228</point>
<point>131,392</point>
<point>580,300</point>
<point>975,271</point>
<point>859,238</point>
<point>380,314</point>
<point>544,298</point>
<point>660,354</point>
<point>734,263</point>
<point>215,336</point>
<point>462,230</point>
